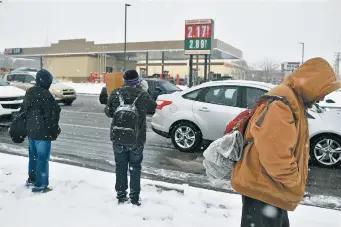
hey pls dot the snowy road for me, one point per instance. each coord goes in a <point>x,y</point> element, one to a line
<point>85,139</point>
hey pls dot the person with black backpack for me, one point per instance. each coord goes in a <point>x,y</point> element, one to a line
<point>128,107</point>
<point>38,120</point>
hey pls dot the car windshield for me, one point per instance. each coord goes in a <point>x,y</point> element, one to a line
<point>3,83</point>
<point>169,86</point>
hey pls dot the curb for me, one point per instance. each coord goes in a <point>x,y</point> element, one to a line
<point>179,179</point>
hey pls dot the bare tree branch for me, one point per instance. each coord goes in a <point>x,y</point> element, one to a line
<point>240,70</point>
<point>267,68</point>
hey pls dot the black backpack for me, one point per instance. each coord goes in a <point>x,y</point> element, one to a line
<point>17,130</point>
<point>125,129</point>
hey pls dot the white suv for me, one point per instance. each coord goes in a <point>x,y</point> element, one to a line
<point>10,101</point>
<point>201,113</point>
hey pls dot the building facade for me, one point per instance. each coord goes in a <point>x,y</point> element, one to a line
<point>76,59</point>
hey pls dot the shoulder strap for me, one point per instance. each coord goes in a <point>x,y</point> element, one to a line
<point>270,99</point>
<point>137,98</point>
<point>121,99</point>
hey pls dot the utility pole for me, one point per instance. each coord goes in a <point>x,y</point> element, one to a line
<point>125,35</point>
<point>302,51</point>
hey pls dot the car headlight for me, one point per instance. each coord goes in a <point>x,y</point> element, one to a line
<point>53,90</point>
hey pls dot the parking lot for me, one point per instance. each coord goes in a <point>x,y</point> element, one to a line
<point>85,141</point>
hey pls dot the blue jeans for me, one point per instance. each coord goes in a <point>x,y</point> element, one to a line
<point>38,165</point>
<point>128,156</point>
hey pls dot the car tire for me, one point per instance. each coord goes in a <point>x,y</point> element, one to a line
<point>68,103</point>
<point>186,136</point>
<point>322,150</point>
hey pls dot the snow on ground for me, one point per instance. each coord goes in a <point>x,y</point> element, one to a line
<point>182,87</point>
<point>84,197</point>
<point>95,89</point>
<point>86,88</point>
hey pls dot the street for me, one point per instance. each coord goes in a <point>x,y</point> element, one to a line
<point>85,140</point>
<point>85,136</point>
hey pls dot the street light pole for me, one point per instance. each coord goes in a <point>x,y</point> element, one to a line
<point>302,51</point>
<point>125,35</point>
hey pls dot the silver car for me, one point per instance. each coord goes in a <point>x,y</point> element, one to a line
<point>61,92</point>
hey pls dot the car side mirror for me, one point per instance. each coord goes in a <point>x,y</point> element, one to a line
<point>33,82</point>
<point>330,101</point>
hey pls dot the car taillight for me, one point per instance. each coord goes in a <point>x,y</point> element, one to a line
<point>162,103</point>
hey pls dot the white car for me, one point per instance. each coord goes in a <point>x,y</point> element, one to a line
<point>201,113</point>
<point>10,101</point>
<point>332,101</point>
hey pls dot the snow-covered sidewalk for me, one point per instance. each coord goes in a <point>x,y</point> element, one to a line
<point>85,198</point>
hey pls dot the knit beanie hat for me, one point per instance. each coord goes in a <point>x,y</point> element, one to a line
<point>44,79</point>
<point>131,77</point>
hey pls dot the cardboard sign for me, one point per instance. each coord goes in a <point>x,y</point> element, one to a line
<point>114,80</point>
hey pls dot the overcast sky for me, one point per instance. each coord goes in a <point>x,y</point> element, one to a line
<point>261,29</point>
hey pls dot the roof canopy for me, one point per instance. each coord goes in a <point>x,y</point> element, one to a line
<point>173,50</point>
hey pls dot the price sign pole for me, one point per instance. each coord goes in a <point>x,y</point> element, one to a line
<point>190,70</point>
<point>205,69</point>
<point>199,36</point>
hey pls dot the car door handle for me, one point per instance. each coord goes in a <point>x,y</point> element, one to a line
<point>330,101</point>
<point>204,109</point>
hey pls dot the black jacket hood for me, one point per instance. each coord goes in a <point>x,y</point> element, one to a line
<point>44,79</point>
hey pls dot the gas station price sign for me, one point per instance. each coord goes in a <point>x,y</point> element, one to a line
<point>199,36</point>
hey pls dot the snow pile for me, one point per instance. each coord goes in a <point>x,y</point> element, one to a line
<point>84,197</point>
<point>182,87</point>
<point>86,88</point>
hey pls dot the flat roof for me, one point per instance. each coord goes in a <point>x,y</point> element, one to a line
<point>174,49</point>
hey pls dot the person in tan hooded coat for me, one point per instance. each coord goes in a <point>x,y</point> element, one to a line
<point>272,175</point>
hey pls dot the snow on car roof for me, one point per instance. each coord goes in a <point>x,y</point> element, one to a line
<point>232,82</point>
<point>243,82</point>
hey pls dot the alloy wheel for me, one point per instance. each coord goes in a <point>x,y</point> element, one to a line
<point>184,137</point>
<point>327,152</point>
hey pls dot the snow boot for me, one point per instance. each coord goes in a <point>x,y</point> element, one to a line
<point>41,189</point>
<point>135,201</point>
<point>30,182</point>
<point>122,200</point>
